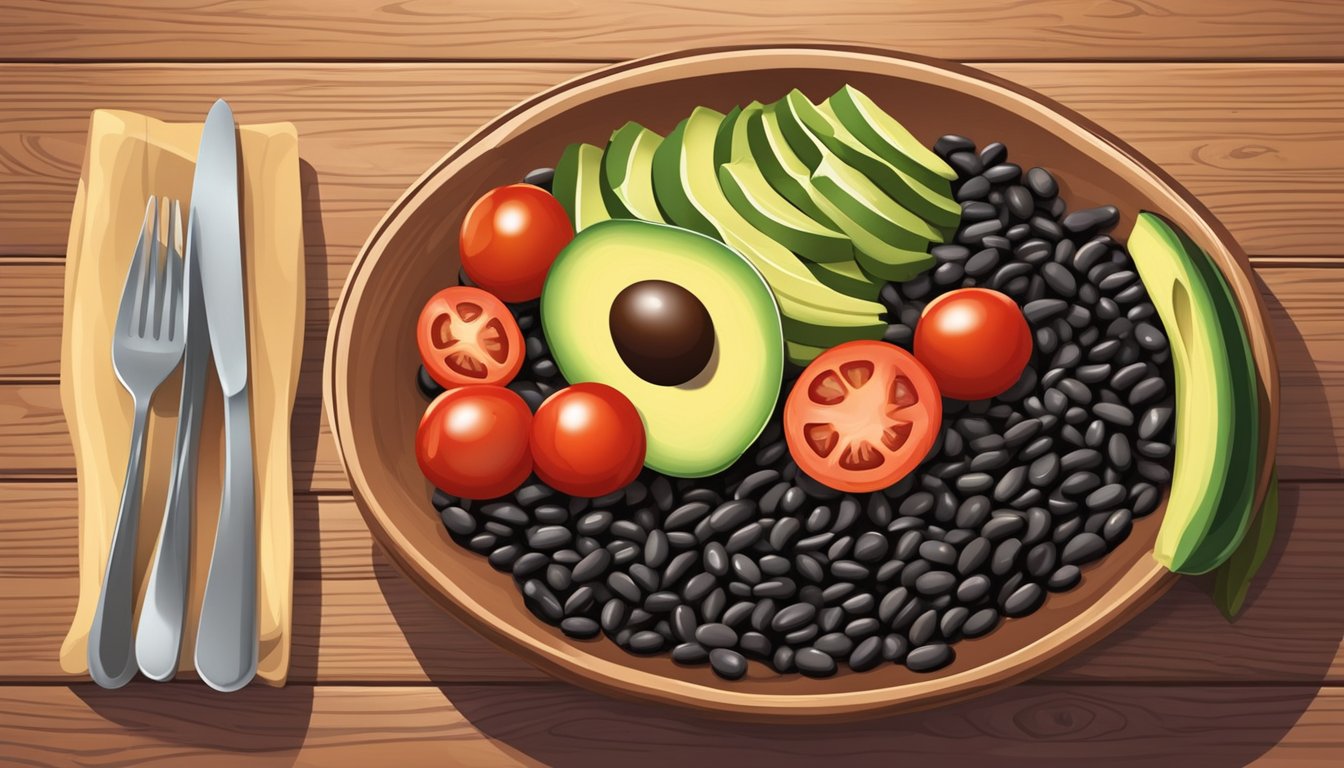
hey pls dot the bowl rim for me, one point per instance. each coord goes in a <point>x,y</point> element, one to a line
<point>1126,599</point>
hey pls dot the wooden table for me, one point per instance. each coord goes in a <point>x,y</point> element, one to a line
<point>1241,100</point>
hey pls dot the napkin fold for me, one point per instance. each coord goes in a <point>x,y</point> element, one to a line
<point>128,158</point>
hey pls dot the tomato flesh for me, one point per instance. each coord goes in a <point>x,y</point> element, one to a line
<point>588,440</point>
<point>473,442</point>
<point>466,336</point>
<point>861,416</point>
<point>509,238</point>
<point>974,341</point>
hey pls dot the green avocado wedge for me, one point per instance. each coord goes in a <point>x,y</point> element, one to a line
<point>1236,508</point>
<point>688,190</point>
<point>627,178</point>
<point>813,132</point>
<point>887,138</point>
<point>840,202</point>
<point>1209,504</point>
<point>769,211</point>
<point>576,185</point>
<point>848,278</point>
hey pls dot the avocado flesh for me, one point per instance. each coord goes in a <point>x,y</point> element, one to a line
<point>770,212</point>
<point>626,181</point>
<point>576,185</point>
<point>688,189</point>
<point>1206,421</point>
<point>1237,506</point>
<point>886,137</point>
<point>812,132</point>
<point>842,205</point>
<point>848,278</point>
<point>703,426</point>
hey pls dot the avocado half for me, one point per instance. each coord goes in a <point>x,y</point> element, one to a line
<point>700,427</point>
<point>1217,408</point>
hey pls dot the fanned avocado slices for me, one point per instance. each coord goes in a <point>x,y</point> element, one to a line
<point>890,140</point>
<point>627,177</point>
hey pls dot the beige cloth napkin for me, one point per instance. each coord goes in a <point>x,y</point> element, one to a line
<point>129,157</point>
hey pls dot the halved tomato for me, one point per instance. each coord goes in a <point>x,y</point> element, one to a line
<point>467,336</point>
<point>862,415</point>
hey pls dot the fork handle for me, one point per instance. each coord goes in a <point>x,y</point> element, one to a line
<point>111,653</point>
<point>226,640</point>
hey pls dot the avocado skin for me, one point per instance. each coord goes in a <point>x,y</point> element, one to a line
<point>1236,508</point>
<point>1217,411</point>
<point>700,427</point>
<point>577,185</point>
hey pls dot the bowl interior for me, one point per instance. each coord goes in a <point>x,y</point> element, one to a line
<point>414,253</point>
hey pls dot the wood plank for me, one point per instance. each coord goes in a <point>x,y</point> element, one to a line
<point>188,725</point>
<point>357,620</point>
<point>33,440</point>
<point>610,29</point>
<point>1258,142</point>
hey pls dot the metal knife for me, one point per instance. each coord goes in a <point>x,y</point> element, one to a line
<point>226,640</point>
<point>158,636</point>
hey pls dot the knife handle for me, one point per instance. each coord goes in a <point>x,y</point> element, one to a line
<point>158,637</point>
<point>226,640</point>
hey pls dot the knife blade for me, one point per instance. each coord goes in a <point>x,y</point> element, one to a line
<point>226,639</point>
<point>158,636</point>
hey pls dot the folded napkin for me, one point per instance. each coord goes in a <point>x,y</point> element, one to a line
<point>128,158</point>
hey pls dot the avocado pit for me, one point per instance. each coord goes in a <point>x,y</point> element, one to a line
<point>662,332</point>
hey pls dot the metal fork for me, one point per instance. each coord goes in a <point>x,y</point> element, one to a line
<point>147,345</point>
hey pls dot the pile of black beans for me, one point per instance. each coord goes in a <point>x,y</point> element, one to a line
<point>1018,493</point>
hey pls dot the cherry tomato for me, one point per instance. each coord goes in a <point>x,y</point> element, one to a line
<point>974,341</point>
<point>467,336</point>
<point>509,239</point>
<point>472,441</point>
<point>587,440</point>
<point>861,416</point>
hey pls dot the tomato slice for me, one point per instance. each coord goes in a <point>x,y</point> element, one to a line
<point>467,336</point>
<point>862,415</point>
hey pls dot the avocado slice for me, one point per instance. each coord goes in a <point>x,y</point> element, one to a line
<point>886,137</point>
<point>848,278</point>
<point>576,185</point>
<point>840,202</point>
<point>685,181</point>
<point>767,210</point>
<point>1206,480</point>
<point>627,178</point>
<point>693,429</point>
<point>1236,504</point>
<point>801,354</point>
<point>812,132</point>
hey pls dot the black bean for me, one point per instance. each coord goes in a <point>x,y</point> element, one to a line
<point>1011,484</point>
<point>849,570</point>
<point>1114,414</point>
<point>813,663</point>
<point>974,483</point>
<point>870,547</point>
<point>1024,600</point>
<point>1147,390</point>
<point>686,515</point>
<point>542,601</point>
<point>1105,498</point>
<point>715,635</point>
<point>982,262</point>
<point>950,143</point>
<point>646,641</point>
<point>1083,548</point>
<point>974,233</point>
<point>1153,450</point>
<point>1154,472</point>
<point>1104,351</point>
<point>1091,219</point>
<point>780,588</point>
<point>756,483</point>
<point>579,601</point>
<point>965,163</point>
<point>738,613</point>
<point>1154,422</point>
<point>935,583</point>
<point>662,602</point>
<point>1041,183</point>
<point>731,515</point>
<point>973,588</point>
<point>928,658</point>
<point>1005,557</point>
<point>715,558</point>
<point>1064,578</point>
<point>1002,527</point>
<point>1003,173</point>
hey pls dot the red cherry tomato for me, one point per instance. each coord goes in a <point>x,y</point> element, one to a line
<point>861,416</point>
<point>509,239</point>
<point>472,441</point>
<point>467,336</point>
<point>974,341</point>
<point>587,440</point>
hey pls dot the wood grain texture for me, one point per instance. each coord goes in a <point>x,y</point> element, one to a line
<point>34,442</point>
<point>555,725</point>
<point>1258,143</point>
<point>357,620</point>
<point>611,29</point>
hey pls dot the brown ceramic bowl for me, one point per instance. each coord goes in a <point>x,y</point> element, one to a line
<point>374,406</point>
